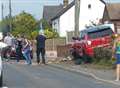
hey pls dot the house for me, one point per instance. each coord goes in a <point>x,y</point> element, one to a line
<point>112,15</point>
<point>90,11</point>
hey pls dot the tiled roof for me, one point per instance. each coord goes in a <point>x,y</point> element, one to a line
<point>113,10</point>
<point>50,11</point>
<point>63,10</point>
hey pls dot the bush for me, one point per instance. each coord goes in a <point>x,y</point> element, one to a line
<point>102,55</point>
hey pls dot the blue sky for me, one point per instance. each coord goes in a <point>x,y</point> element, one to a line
<point>35,7</point>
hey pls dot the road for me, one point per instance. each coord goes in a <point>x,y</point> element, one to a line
<point>37,76</point>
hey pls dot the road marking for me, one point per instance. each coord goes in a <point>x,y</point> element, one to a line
<point>4,87</point>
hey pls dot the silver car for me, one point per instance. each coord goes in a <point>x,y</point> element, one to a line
<point>2,45</point>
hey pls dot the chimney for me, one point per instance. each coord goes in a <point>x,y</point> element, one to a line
<point>65,3</point>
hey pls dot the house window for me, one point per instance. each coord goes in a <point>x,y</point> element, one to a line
<point>89,6</point>
<point>54,23</point>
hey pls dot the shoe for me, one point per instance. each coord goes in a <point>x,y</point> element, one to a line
<point>43,64</point>
<point>38,63</point>
<point>117,80</point>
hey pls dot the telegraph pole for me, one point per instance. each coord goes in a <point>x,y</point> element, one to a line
<point>77,12</point>
<point>10,16</point>
<point>2,9</point>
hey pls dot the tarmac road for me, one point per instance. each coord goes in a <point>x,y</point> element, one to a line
<point>37,76</point>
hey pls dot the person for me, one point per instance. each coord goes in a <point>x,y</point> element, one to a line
<point>2,45</point>
<point>26,50</point>
<point>116,54</point>
<point>31,49</point>
<point>19,48</point>
<point>40,47</point>
<point>9,41</point>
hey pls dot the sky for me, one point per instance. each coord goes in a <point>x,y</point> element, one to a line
<point>35,7</point>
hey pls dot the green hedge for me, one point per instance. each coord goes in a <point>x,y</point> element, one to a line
<point>102,55</point>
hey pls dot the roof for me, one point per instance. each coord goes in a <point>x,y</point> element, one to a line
<point>103,1</point>
<point>67,8</point>
<point>97,28</point>
<point>113,10</point>
<point>63,10</point>
<point>50,11</point>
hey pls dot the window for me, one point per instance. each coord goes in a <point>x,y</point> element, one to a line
<point>82,34</point>
<point>100,33</point>
<point>89,6</point>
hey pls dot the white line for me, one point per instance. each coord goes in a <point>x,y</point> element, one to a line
<point>4,87</point>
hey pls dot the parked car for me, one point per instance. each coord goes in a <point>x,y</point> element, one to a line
<point>2,45</point>
<point>90,38</point>
<point>1,36</point>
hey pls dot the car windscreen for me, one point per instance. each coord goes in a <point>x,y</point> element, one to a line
<point>100,33</point>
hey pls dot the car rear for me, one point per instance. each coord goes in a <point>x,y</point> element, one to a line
<point>98,37</point>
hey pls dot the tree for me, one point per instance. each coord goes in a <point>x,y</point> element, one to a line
<point>4,25</point>
<point>24,23</point>
<point>49,31</point>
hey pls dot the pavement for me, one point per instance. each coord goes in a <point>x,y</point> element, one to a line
<point>104,75</point>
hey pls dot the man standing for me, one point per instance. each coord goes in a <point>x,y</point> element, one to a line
<point>40,49</point>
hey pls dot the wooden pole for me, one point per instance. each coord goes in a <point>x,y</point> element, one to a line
<point>10,16</point>
<point>77,12</point>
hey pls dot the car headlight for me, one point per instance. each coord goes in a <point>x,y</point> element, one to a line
<point>89,42</point>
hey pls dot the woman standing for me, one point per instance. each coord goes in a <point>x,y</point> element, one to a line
<point>116,51</point>
<point>26,50</point>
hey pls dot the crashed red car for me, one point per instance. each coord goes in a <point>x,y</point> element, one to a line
<point>90,38</point>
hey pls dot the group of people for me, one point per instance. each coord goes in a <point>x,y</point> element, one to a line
<point>24,47</point>
<point>21,45</point>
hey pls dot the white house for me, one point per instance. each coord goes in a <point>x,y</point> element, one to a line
<point>90,10</point>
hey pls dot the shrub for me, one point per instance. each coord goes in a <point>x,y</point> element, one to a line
<point>102,55</point>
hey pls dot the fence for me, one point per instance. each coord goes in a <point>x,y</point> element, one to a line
<point>70,34</point>
<point>51,44</point>
<point>63,51</point>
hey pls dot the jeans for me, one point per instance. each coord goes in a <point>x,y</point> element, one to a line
<point>42,52</point>
<point>26,54</point>
<point>18,54</point>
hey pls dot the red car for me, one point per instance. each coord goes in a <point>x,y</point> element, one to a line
<point>90,38</point>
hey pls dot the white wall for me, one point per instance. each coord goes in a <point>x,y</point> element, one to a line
<point>87,15</point>
<point>67,22</point>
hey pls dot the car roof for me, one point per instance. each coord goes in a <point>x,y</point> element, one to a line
<point>96,28</point>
